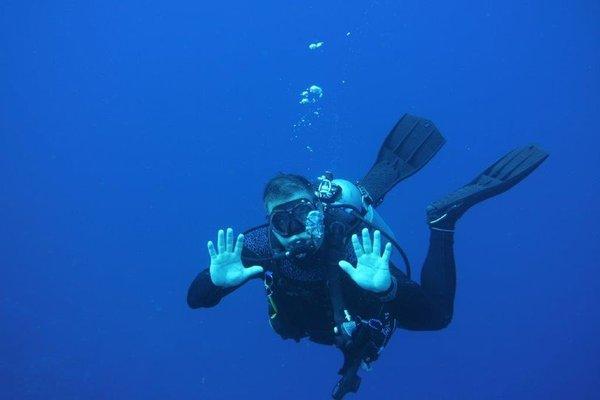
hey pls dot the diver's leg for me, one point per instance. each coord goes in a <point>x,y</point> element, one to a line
<point>438,276</point>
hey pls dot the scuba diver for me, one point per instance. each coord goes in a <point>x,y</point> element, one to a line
<point>327,274</point>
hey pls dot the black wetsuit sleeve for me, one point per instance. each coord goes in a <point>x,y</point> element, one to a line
<point>203,293</point>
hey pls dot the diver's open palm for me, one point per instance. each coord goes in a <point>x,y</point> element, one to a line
<point>226,268</point>
<point>372,270</point>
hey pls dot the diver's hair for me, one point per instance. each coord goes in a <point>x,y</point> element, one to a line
<point>285,185</point>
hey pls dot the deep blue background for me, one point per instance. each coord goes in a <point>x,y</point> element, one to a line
<point>130,131</point>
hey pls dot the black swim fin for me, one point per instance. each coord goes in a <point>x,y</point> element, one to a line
<point>498,178</point>
<point>408,147</point>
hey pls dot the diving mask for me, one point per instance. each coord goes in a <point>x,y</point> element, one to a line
<point>295,217</point>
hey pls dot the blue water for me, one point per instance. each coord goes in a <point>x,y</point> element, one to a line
<point>130,131</point>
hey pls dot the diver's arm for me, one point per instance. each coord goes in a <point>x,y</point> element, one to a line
<point>226,273</point>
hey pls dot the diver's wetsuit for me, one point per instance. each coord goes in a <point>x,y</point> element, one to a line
<point>302,298</point>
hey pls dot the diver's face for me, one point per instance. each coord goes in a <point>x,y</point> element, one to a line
<point>278,202</point>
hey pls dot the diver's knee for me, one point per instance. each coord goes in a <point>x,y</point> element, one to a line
<point>443,321</point>
<point>439,321</point>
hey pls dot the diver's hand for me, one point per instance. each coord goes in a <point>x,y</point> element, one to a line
<point>372,270</point>
<point>226,268</point>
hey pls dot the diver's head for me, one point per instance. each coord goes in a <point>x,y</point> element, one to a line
<point>295,213</point>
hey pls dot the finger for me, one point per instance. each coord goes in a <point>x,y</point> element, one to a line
<point>211,249</point>
<point>229,240</point>
<point>366,238</point>
<point>377,243</point>
<point>221,241</point>
<point>253,271</point>
<point>348,268</point>
<point>358,250</point>
<point>387,253</point>
<point>239,245</point>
